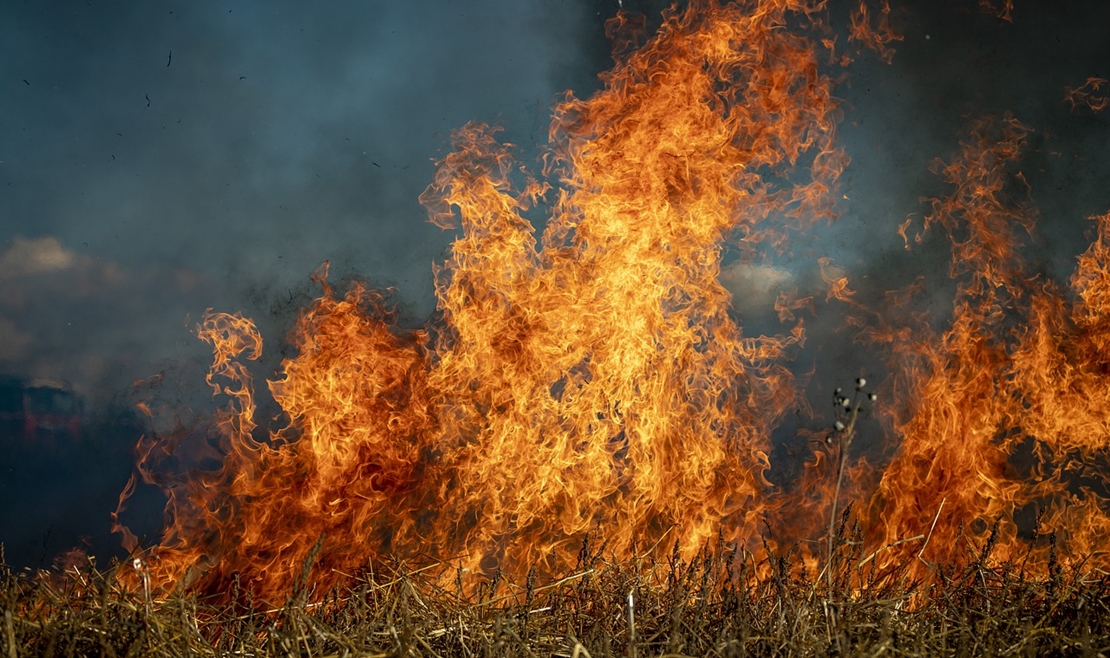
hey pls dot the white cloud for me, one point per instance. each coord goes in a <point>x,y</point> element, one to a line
<point>44,266</point>
<point>28,257</point>
<point>754,287</point>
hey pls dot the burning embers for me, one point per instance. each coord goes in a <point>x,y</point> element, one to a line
<point>591,380</point>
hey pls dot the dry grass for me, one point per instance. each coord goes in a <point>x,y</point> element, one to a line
<point>722,604</point>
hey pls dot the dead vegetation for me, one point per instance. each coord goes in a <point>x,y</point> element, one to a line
<point>724,603</point>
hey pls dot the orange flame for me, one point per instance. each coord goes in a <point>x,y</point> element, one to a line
<point>592,379</point>
<point>1093,95</point>
<point>877,37</point>
<point>1002,10</point>
<point>1005,411</point>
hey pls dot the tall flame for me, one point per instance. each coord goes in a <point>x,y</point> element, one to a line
<point>591,379</point>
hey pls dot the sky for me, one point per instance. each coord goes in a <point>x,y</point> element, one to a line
<point>159,158</point>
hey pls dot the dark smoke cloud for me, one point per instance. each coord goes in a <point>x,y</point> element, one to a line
<point>158,158</point>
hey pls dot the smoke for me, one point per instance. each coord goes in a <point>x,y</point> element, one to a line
<point>957,64</point>
<point>230,150</point>
<point>162,158</point>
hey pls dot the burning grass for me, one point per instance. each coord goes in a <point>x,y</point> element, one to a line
<point>593,374</point>
<point>591,380</point>
<point>723,603</point>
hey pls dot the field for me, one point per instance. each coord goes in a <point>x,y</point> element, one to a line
<point>719,605</point>
<point>584,453</point>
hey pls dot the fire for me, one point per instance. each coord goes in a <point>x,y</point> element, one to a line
<point>1002,10</point>
<point>877,37</point>
<point>1092,95</point>
<point>590,380</point>
<point>1006,410</point>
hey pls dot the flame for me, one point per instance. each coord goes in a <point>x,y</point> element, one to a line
<point>1002,10</point>
<point>1006,410</point>
<point>1092,95</point>
<point>834,278</point>
<point>877,37</point>
<point>586,380</point>
<point>590,380</point>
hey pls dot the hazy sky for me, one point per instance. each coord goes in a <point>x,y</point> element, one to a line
<point>164,156</point>
<point>157,158</point>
